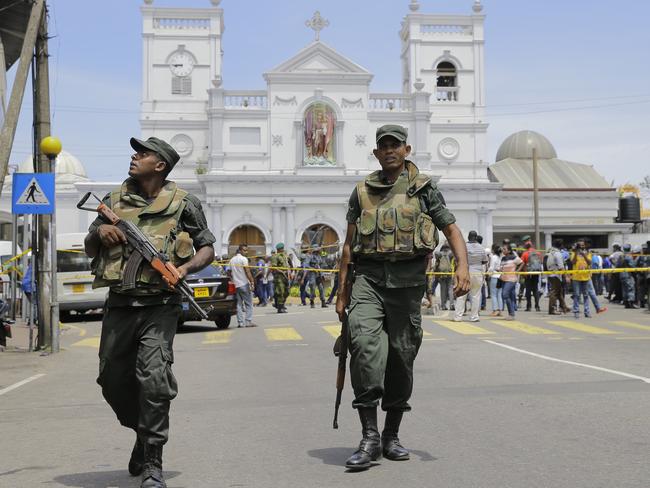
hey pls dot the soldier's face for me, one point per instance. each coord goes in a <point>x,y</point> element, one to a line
<point>391,153</point>
<point>145,164</point>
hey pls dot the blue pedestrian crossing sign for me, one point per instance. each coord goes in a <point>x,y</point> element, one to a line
<point>33,193</point>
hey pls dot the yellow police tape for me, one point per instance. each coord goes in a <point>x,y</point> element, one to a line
<point>450,273</point>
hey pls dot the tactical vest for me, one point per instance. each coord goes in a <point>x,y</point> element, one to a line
<point>392,224</point>
<point>159,222</point>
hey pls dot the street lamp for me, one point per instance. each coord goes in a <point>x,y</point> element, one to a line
<point>51,147</point>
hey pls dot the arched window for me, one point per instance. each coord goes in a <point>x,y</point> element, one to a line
<point>321,235</point>
<point>319,125</point>
<point>446,82</point>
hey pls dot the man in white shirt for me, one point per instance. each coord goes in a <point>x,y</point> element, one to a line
<point>243,280</point>
<point>477,259</point>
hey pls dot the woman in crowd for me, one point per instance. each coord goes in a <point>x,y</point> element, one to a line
<point>510,263</point>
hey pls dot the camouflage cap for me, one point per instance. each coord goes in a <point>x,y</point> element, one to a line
<point>397,131</point>
<point>279,245</point>
<point>168,153</point>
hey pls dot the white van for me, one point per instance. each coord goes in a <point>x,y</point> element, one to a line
<point>74,281</point>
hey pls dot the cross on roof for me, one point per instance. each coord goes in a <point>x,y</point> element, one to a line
<point>317,23</point>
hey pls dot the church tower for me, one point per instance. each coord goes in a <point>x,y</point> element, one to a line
<point>444,55</point>
<point>181,59</point>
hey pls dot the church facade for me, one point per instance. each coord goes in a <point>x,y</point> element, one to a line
<point>282,161</point>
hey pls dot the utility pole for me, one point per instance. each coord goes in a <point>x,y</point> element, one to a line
<point>536,199</point>
<point>44,165</point>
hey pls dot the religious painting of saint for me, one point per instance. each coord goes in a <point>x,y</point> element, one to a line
<point>319,124</point>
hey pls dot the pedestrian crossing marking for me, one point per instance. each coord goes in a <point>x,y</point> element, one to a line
<point>333,330</point>
<point>218,337</point>
<point>463,327</point>
<point>589,329</point>
<point>282,334</point>
<point>522,327</point>
<point>88,342</point>
<point>631,325</point>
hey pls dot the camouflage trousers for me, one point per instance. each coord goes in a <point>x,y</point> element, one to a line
<point>280,288</point>
<point>628,285</point>
<point>385,327</point>
<point>135,367</point>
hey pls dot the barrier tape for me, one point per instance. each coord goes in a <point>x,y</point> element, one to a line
<point>451,273</point>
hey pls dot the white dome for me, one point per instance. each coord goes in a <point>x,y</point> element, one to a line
<point>520,146</point>
<point>65,164</point>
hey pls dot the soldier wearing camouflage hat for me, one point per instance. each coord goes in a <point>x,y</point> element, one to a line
<point>279,265</point>
<point>138,328</point>
<point>393,217</point>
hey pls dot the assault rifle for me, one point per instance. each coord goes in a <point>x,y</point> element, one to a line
<point>143,251</point>
<point>341,350</point>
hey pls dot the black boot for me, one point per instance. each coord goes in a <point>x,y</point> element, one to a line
<point>391,447</point>
<point>312,304</point>
<point>369,447</point>
<point>152,476</point>
<point>323,304</point>
<point>137,458</point>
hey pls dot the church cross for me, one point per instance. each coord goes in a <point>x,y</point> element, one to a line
<point>317,23</point>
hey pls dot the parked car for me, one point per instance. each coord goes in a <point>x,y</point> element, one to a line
<point>74,281</point>
<point>215,293</point>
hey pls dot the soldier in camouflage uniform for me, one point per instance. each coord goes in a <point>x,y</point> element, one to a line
<point>135,352</point>
<point>280,278</point>
<point>393,219</point>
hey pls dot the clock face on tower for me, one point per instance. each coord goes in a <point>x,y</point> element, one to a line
<point>181,63</point>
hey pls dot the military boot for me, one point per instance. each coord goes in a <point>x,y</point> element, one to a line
<point>137,458</point>
<point>369,447</point>
<point>152,475</point>
<point>323,304</point>
<point>391,447</point>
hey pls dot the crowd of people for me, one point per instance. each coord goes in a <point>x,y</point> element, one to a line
<point>574,270</point>
<point>269,279</point>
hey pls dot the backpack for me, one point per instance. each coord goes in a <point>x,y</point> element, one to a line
<point>444,263</point>
<point>534,262</point>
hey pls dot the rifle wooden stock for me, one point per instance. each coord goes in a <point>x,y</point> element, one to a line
<point>342,355</point>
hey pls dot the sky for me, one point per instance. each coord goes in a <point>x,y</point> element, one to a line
<point>576,71</point>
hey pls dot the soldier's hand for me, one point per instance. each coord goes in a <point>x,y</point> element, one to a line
<point>342,302</point>
<point>461,282</point>
<point>110,235</point>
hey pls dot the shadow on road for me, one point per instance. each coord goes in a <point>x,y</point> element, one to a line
<point>102,479</point>
<point>336,456</point>
<point>196,327</point>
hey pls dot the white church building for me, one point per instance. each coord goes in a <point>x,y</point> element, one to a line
<point>278,164</point>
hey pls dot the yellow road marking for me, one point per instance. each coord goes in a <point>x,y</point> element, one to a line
<point>522,327</point>
<point>88,342</point>
<point>282,334</point>
<point>631,325</point>
<point>333,330</point>
<point>218,337</point>
<point>463,327</point>
<point>590,329</point>
<point>82,331</point>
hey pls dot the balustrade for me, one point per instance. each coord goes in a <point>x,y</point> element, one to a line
<point>447,93</point>
<point>245,99</point>
<point>390,102</point>
<point>179,23</point>
<point>446,29</point>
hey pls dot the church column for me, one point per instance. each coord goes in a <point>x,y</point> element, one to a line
<point>485,225</point>
<point>422,114</point>
<point>276,222</point>
<point>216,113</point>
<point>290,233</point>
<point>338,131</point>
<point>215,223</point>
